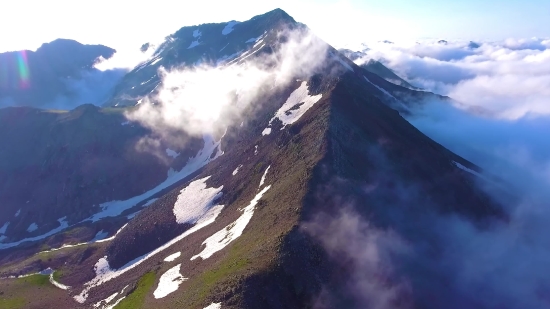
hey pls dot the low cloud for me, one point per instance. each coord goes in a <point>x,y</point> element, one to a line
<point>398,252</point>
<point>128,57</point>
<point>365,253</point>
<point>207,98</point>
<point>93,87</point>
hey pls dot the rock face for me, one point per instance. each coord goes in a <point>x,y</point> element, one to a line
<point>270,223</point>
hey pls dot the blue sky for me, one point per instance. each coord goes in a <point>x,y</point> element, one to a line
<point>120,24</point>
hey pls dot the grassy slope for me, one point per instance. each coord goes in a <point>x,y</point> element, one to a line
<point>136,298</point>
<point>29,292</point>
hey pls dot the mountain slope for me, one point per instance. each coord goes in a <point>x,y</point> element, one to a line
<point>58,169</point>
<point>246,231</point>
<point>314,165</point>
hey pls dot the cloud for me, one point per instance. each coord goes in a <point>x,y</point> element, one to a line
<point>507,261</point>
<point>365,253</point>
<point>128,57</point>
<point>93,87</point>
<point>532,43</point>
<point>510,79</point>
<point>400,254</point>
<point>207,98</point>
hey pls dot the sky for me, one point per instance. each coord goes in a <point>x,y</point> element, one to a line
<point>28,24</point>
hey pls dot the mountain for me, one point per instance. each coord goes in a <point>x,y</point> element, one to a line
<point>261,212</point>
<point>377,68</point>
<point>42,77</point>
<point>203,44</point>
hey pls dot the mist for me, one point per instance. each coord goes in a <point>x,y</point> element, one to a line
<point>208,98</point>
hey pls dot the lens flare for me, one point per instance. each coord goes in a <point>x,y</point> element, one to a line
<point>23,70</point>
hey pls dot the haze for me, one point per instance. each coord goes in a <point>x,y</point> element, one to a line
<point>121,25</point>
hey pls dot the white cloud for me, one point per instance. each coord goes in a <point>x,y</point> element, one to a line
<point>207,99</point>
<point>509,79</point>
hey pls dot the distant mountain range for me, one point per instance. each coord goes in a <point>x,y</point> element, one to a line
<point>39,78</point>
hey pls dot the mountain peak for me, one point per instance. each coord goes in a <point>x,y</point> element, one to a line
<point>276,13</point>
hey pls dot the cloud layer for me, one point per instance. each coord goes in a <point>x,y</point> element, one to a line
<point>509,79</point>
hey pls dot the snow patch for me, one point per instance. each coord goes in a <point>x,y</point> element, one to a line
<point>169,282</point>
<point>47,271</point>
<point>258,43</point>
<point>387,94</point>
<point>115,303</point>
<point>99,238</point>
<point>105,303</point>
<point>343,62</point>
<point>246,55</point>
<point>256,150</point>
<point>62,225</point>
<point>125,123</point>
<point>104,273</point>
<point>150,79</point>
<point>106,300</point>
<point>224,237</point>
<point>18,213</point>
<point>297,104</point>
<point>172,153</point>
<point>228,58</point>
<point>253,40</point>
<point>266,131</point>
<point>193,44</point>
<point>237,170</point>
<point>263,177</point>
<point>195,200</point>
<point>149,202</point>
<point>214,306</point>
<point>62,247</point>
<point>115,208</point>
<point>33,227</point>
<point>131,216</point>
<point>4,228</point>
<point>471,171</point>
<point>197,33</point>
<point>229,27</point>
<point>101,235</point>
<point>156,60</point>
<point>57,284</point>
<point>172,257</point>
<point>113,237</point>
<point>224,47</point>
